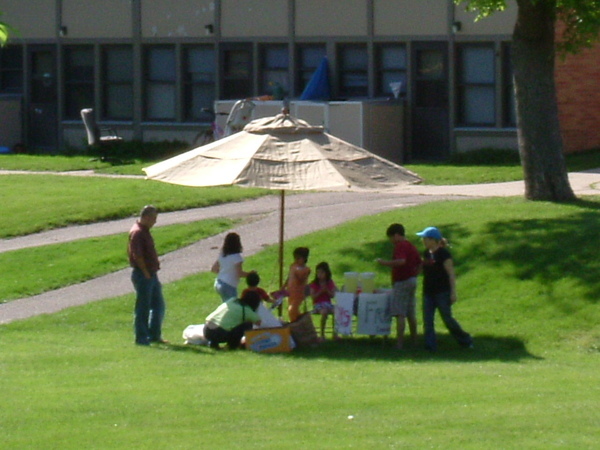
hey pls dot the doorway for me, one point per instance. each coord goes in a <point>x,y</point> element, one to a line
<point>42,112</point>
<point>430,127</point>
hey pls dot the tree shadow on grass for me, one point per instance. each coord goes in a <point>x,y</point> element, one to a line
<point>545,251</point>
<point>382,248</point>
<point>540,249</point>
<point>487,348</point>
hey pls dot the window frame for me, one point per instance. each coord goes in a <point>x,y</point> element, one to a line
<point>464,87</point>
<point>234,86</point>
<point>268,71</point>
<point>304,70</point>
<point>344,90</point>
<point>509,104</point>
<point>107,83</point>
<point>78,84</point>
<point>10,69</point>
<point>381,71</point>
<point>167,82</point>
<point>190,84</point>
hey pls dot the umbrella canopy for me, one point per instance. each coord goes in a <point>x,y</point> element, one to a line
<point>282,152</point>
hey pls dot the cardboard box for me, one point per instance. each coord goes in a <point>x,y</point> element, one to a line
<point>269,340</point>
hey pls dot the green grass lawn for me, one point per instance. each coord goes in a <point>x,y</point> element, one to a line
<point>60,265</point>
<point>528,292</point>
<point>32,203</point>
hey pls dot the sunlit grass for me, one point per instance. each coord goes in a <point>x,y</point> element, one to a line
<point>32,271</point>
<point>32,203</point>
<point>527,292</point>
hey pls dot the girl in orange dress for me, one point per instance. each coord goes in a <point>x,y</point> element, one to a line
<point>297,281</point>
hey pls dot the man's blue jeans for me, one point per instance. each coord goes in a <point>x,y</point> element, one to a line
<point>442,303</point>
<point>149,308</point>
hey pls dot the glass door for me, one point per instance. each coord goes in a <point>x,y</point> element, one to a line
<point>42,112</point>
<point>430,131</point>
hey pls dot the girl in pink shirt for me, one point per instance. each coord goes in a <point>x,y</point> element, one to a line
<point>322,291</point>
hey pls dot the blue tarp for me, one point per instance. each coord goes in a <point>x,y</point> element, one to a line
<point>318,86</point>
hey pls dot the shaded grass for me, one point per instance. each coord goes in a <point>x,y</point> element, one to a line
<point>57,163</point>
<point>32,271</point>
<point>33,203</point>
<point>74,379</point>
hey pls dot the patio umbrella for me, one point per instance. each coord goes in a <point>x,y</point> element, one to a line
<point>283,153</point>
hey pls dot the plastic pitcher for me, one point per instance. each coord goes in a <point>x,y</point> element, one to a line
<point>350,282</point>
<point>367,282</point>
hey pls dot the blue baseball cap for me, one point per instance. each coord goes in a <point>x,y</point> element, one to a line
<point>431,232</point>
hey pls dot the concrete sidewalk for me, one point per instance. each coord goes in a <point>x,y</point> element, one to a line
<point>304,213</point>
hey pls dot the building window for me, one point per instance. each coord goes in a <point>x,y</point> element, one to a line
<point>308,59</point>
<point>79,80</point>
<point>160,83</point>
<point>11,70</point>
<point>237,72</point>
<point>275,63</point>
<point>43,76</point>
<point>353,62</point>
<point>476,85</point>
<point>200,70</point>
<point>391,68</point>
<point>117,77</point>
<point>508,89</point>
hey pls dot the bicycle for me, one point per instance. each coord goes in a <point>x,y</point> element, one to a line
<point>210,134</point>
<point>237,118</point>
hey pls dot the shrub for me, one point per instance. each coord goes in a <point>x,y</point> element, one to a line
<point>136,149</point>
<point>486,157</point>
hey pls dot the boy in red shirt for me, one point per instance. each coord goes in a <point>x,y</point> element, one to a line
<point>406,265</point>
<point>252,280</point>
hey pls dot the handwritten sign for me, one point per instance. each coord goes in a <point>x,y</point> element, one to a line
<point>343,312</point>
<point>374,314</point>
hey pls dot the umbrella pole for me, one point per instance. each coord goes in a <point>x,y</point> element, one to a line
<point>281,228</point>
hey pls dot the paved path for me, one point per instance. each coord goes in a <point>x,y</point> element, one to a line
<point>305,213</point>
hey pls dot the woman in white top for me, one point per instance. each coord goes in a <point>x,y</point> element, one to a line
<point>228,267</point>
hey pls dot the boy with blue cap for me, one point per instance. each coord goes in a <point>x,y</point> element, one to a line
<point>439,289</point>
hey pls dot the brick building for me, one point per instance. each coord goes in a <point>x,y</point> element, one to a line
<point>578,92</point>
<point>151,68</point>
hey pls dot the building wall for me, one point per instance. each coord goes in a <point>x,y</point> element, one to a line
<point>316,18</point>
<point>31,19</point>
<point>173,19</point>
<point>410,17</point>
<point>252,18</point>
<point>85,20</point>
<point>578,92</point>
<point>368,25</point>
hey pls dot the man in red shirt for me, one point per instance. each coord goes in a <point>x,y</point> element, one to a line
<point>406,265</point>
<point>150,304</point>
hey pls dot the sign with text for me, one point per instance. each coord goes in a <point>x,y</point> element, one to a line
<point>344,304</point>
<point>374,314</point>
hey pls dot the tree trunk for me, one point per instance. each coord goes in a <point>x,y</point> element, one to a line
<point>540,141</point>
